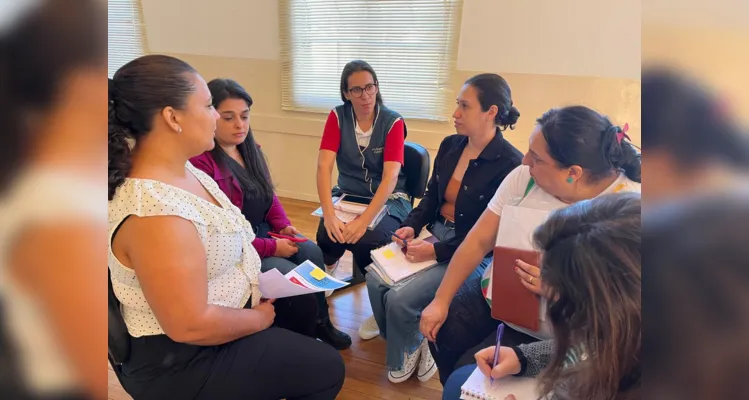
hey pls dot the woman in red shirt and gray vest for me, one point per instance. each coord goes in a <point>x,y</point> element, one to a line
<point>365,140</point>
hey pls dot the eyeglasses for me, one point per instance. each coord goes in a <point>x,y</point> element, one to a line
<point>370,89</point>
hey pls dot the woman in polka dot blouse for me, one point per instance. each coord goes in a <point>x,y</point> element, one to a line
<point>181,259</point>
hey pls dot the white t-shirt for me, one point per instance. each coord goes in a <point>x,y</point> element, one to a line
<point>363,138</point>
<point>512,192</point>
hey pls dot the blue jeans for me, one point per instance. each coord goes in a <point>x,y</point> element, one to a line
<point>397,310</point>
<point>307,251</point>
<point>451,390</point>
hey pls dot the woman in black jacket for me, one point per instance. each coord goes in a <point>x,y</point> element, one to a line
<point>467,172</point>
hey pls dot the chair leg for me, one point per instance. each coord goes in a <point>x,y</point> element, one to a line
<point>117,370</point>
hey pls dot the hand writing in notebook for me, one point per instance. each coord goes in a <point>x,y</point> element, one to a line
<point>530,277</point>
<point>406,233</point>
<point>508,363</point>
<point>419,250</point>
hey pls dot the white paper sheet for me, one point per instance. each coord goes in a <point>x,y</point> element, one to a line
<point>517,224</point>
<point>301,280</point>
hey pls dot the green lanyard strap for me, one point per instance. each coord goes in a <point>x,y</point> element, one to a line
<point>531,183</point>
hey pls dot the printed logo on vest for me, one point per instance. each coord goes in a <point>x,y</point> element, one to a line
<point>377,150</point>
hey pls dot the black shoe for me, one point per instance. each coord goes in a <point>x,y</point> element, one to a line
<point>329,334</point>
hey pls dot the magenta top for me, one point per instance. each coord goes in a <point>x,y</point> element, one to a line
<point>275,217</point>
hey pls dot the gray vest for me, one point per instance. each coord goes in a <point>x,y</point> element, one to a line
<point>360,171</point>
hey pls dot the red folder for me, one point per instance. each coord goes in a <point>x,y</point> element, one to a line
<point>511,301</point>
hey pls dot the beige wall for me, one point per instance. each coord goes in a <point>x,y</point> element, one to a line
<point>290,139</point>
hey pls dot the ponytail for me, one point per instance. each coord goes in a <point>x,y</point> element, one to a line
<point>119,148</point>
<point>621,153</point>
<point>631,162</point>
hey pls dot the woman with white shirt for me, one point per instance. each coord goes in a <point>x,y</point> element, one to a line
<point>574,154</point>
<point>181,258</point>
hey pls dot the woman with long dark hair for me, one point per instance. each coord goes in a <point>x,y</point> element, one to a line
<point>591,268</point>
<point>239,167</point>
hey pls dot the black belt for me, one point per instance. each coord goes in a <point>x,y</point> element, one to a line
<point>445,221</point>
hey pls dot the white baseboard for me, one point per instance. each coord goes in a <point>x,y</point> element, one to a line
<point>290,194</point>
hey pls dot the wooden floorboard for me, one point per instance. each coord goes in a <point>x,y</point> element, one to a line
<point>366,373</point>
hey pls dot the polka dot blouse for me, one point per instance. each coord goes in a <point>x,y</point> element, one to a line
<point>233,264</point>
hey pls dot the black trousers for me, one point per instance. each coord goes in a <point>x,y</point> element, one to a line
<point>272,364</point>
<point>372,239</point>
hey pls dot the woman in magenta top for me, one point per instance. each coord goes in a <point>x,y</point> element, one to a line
<point>237,164</point>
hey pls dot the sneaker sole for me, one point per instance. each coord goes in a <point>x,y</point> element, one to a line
<point>429,374</point>
<point>368,335</point>
<point>404,378</point>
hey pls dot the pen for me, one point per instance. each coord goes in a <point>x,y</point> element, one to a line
<point>400,238</point>
<point>500,331</point>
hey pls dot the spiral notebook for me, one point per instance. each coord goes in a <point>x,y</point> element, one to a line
<point>478,387</point>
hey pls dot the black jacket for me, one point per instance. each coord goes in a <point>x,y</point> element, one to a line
<point>480,182</point>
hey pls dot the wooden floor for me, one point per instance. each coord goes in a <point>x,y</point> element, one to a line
<point>366,374</point>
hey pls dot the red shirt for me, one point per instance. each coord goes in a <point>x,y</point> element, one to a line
<point>331,139</point>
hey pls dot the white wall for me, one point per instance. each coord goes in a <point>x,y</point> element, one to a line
<point>598,38</point>
<point>224,28</point>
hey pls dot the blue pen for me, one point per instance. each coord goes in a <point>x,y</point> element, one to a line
<point>400,238</point>
<point>500,331</point>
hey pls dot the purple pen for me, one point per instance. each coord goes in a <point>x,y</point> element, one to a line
<point>500,331</point>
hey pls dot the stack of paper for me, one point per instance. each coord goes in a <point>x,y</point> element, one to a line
<point>349,207</point>
<point>346,216</point>
<point>304,279</point>
<point>391,264</point>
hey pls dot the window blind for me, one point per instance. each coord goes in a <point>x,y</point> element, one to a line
<point>125,29</point>
<point>411,44</point>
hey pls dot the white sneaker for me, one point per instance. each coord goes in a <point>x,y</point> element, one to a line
<point>410,362</point>
<point>427,365</point>
<point>331,271</point>
<point>369,329</point>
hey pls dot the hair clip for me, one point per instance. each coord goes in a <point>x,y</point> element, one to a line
<point>622,134</point>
